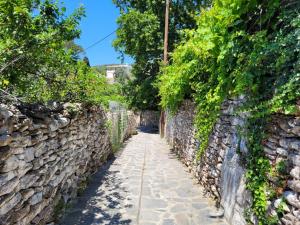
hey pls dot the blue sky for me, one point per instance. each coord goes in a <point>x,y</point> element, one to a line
<point>100,20</point>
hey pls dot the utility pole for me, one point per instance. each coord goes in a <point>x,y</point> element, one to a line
<point>166,32</point>
<point>162,114</point>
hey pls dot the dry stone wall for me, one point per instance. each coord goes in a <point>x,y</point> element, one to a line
<point>45,157</point>
<point>133,122</point>
<point>282,147</point>
<point>221,170</point>
<point>123,124</point>
<point>180,133</point>
<point>149,118</point>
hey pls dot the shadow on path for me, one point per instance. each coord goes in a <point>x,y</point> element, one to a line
<point>149,129</point>
<point>101,202</point>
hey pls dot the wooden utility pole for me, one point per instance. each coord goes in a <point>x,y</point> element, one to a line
<point>162,115</point>
<point>166,32</point>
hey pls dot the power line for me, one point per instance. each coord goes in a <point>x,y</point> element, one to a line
<point>98,42</point>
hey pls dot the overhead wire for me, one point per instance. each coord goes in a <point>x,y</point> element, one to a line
<point>22,56</point>
<point>99,41</point>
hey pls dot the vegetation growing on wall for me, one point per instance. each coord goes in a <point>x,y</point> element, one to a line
<point>39,61</point>
<point>240,47</point>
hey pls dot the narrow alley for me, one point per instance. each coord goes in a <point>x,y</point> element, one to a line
<point>145,184</point>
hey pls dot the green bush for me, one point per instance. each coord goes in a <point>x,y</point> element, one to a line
<point>39,61</point>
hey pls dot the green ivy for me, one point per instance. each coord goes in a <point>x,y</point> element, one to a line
<point>258,167</point>
<point>241,47</point>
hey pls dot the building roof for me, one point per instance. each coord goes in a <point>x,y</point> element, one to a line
<point>117,65</point>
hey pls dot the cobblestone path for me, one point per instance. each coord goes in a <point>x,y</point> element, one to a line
<point>144,185</point>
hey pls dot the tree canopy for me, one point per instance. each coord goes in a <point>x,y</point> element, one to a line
<point>39,60</point>
<point>141,35</point>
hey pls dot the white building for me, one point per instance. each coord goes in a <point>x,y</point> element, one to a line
<point>111,71</point>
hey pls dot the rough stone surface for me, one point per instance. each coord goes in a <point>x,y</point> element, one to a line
<point>120,116</point>
<point>145,184</point>
<point>8,203</point>
<point>284,133</point>
<point>150,119</point>
<point>221,170</point>
<point>44,158</point>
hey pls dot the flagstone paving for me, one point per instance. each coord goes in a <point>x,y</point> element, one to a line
<point>144,185</point>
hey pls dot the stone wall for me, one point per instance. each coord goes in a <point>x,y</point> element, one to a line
<point>133,121</point>
<point>180,133</point>
<point>149,118</point>
<point>282,147</point>
<point>221,170</point>
<point>124,124</point>
<point>45,157</point>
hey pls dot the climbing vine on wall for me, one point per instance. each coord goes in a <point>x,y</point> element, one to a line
<point>241,47</point>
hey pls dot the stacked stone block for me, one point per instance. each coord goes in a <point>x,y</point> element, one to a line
<point>282,146</point>
<point>45,156</point>
<point>221,170</point>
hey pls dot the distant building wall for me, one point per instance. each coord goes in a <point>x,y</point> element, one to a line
<point>110,75</point>
<point>112,69</point>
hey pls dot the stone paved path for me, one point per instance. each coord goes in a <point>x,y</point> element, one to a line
<point>144,185</point>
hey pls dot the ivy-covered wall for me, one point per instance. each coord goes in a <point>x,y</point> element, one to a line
<point>282,148</point>
<point>240,48</point>
<point>223,170</point>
